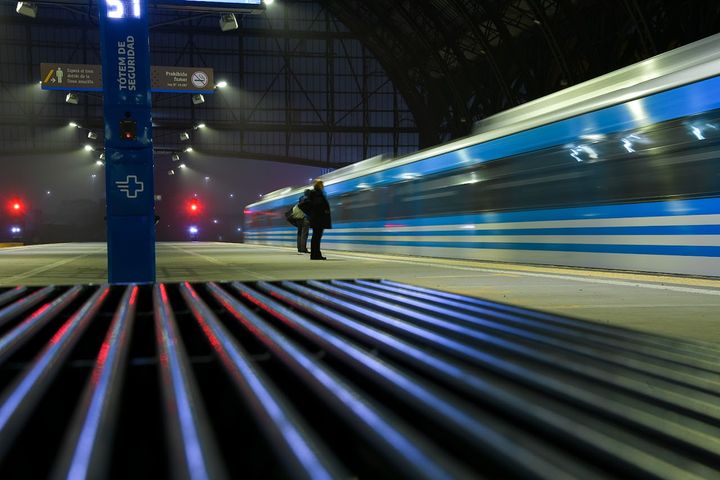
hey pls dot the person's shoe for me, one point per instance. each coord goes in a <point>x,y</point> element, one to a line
<point>304,251</point>
<point>301,253</point>
<point>318,258</point>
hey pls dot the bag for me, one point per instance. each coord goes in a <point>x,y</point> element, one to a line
<point>298,214</point>
<point>289,217</point>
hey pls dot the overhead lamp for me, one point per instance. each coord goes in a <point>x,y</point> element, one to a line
<point>72,124</point>
<point>268,2</point>
<point>27,9</point>
<point>201,125</point>
<point>171,172</point>
<point>99,163</point>
<point>228,22</point>
<point>72,98</point>
<point>197,99</point>
<point>184,136</point>
<point>221,84</point>
<point>92,135</point>
<point>182,165</point>
<point>88,148</point>
<point>189,149</point>
<point>102,156</point>
<point>175,157</point>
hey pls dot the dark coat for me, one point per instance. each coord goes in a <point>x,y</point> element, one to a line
<point>319,209</point>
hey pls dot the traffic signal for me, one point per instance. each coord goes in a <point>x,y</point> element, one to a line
<point>194,207</point>
<point>16,207</point>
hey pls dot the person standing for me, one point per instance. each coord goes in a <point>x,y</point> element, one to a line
<point>302,224</point>
<point>318,210</point>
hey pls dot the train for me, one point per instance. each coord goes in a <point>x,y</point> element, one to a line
<point>621,172</point>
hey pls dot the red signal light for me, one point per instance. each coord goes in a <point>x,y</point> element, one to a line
<point>16,207</point>
<point>194,207</point>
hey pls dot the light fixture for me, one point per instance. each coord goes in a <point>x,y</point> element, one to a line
<point>175,157</point>
<point>197,99</point>
<point>268,2</point>
<point>88,148</point>
<point>92,135</point>
<point>27,9</point>
<point>193,230</point>
<point>228,22</point>
<point>72,124</point>
<point>184,136</point>
<point>189,149</point>
<point>99,163</point>
<point>207,179</point>
<point>72,98</point>
<point>102,156</point>
<point>171,172</point>
<point>215,221</point>
<point>182,165</point>
<point>221,84</point>
<point>201,125</point>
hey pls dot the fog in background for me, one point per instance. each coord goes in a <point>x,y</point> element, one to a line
<point>64,194</point>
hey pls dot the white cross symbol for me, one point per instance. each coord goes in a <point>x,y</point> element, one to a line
<point>131,186</point>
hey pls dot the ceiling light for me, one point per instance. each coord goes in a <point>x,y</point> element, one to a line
<point>221,84</point>
<point>88,148</point>
<point>92,135</point>
<point>175,157</point>
<point>268,2</point>
<point>102,156</point>
<point>27,9</point>
<point>72,98</point>
<point>189,149</point>
<point>72,124</point>
<point>171,172</point>
<point>184,136</point>
<point>182,165</point>
<point>99,163</point>
<point>228,22</point>
<point>197,99</point>
<point>202,125</point>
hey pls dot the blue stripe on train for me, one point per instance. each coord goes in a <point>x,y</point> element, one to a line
<point>702,206</point>
<point>684,101</point>
<point>650,230</point>
<point>673,250</point>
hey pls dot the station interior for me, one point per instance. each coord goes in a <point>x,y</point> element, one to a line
<point>360,239</point>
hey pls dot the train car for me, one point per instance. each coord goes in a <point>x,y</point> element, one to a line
<point>620,172</point>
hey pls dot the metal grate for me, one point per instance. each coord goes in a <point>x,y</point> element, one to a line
<point>341,379</point>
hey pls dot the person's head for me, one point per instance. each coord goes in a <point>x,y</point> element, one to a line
<point>318,185</point>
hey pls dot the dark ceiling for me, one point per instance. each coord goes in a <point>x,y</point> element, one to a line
<point>457,61</point>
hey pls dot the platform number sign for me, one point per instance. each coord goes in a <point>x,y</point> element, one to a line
<point>123,8</point>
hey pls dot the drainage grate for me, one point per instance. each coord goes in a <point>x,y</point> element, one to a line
<point>341,379</point>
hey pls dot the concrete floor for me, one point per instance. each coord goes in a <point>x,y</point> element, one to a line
<point>674,306</point>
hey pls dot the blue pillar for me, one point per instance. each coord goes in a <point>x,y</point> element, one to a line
<point>125,50</point>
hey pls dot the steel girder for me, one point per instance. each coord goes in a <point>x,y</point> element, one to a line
<point>467,59</point>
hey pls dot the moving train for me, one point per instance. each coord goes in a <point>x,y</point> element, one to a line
<point>620,172</point>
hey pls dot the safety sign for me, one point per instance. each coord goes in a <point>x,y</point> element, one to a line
<point>88,78</point>
<point>131,186</point>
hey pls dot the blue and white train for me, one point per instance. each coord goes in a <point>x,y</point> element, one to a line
<point>620,172</point>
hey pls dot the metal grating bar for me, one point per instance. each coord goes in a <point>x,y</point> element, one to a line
<point>341,379</point>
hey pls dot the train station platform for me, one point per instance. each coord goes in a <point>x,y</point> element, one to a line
<point>680,307</point>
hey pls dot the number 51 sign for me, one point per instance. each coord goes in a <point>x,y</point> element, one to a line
<point>117,8</point>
